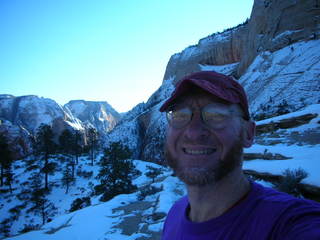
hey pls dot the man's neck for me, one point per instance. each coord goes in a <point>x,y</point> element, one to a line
<point>211,201</point>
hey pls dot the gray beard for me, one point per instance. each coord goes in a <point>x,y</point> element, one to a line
<point>201,176</point>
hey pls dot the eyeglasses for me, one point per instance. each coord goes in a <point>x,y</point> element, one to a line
<point>212,116</point>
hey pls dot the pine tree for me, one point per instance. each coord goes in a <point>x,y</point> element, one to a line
<point>153,172</point>
<point>45,146</point>
<point>9,177</point>
<point>5,227</point>
<point>67,178</point>
<point>77,145</point>
<point>5,158</point>
<point>92,143</point>
<point>116,172</point>
<point>40,204</point>
<point>66,141</point>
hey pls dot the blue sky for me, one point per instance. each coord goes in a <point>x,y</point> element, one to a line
<point>102,50</point>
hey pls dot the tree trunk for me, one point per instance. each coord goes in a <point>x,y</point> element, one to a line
<point>46,173</point>
<point>77,160</point>
<point>73,170</point>
<point>67,190</point>
<point>43,213</point>
<point>2,175</point>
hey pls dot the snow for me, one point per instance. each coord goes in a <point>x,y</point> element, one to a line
<point>305,157</point>
<point>313,109</point>
<point>102,220</point>
<point>285,35</point>
<point>282,74</point>
<point>76,107</point>
<point>227,69</point>
<point>99,220</point>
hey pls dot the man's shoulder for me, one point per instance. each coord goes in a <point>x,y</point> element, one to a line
<point>267,195</point>
<point>284,207</point>
<point>283,213</point>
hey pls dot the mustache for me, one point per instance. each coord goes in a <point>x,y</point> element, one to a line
<point>206,142</point>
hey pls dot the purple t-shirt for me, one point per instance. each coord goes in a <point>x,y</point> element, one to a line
<point>263,214</point>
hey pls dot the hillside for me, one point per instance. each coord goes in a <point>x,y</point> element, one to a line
<point>127,217</point>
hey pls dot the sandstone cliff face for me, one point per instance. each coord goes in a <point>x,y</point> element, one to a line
<point>287,79</point>
<point>217,49</point>
<point>275,24</point>
<point>274,56</point>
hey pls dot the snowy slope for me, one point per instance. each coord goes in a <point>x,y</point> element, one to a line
<point>291,74</point>
<point>301,143</point>
<point>126,217</point>
<point>104,220</point>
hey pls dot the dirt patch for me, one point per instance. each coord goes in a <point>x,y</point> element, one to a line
<point>136,222</point>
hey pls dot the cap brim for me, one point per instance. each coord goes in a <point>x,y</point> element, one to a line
<point>186,84</point>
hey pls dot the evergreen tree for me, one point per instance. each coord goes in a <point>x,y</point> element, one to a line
<point>9,177</point>
<point>116,172</point>
<point>5,158</point>
<point>67,178</point>
<point>66,141</point>
<point>77,145</point>
<point>153,172</point>
<point>92,143</point>
<point>40,204</point>
<point>5,227</point>
<point>45,146</point>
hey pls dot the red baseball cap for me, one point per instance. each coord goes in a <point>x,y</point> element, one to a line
<point>219,85</point>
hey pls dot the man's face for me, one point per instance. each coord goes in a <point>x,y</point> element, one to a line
<point>201,154</point>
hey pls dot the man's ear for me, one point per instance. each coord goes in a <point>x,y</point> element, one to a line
<point>249,130</point>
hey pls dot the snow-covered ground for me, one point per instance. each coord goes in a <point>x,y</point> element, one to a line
<point>103,220</point>
<point>304,155</point>
<point>128,217</point>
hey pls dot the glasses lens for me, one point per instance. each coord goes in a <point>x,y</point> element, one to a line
<point>179,118</point>
<point>212,117</point>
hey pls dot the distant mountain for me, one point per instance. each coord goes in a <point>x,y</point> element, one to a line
<point>97,114</point>
<point>289,141</point>
<point>21,116</point>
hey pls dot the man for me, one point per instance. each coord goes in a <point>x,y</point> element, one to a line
<point>208,127</point>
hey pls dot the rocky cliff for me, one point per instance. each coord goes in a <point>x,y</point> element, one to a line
<point>21,116</point>
<point>97,114</point>
<point>216,49</point>
<point>275,24</point>
<point>274,55</point>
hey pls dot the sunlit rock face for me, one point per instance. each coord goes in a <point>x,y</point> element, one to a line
<point>22,116</point>
<point>98,114</point>
<point>217,49</point>
<point>274,55</point>
<point>276,24</point>
<point>284,80</point>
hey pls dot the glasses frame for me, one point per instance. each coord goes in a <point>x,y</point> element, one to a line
<point>231,112</point>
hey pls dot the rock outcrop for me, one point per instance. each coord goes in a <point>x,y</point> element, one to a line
<point>274,55</point>
<point>275,24</point>
<point>99,115</point>
<point>216,49</point>
<point>285,123</point>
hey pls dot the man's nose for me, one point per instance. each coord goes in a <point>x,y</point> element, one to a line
<point>196,129</point>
